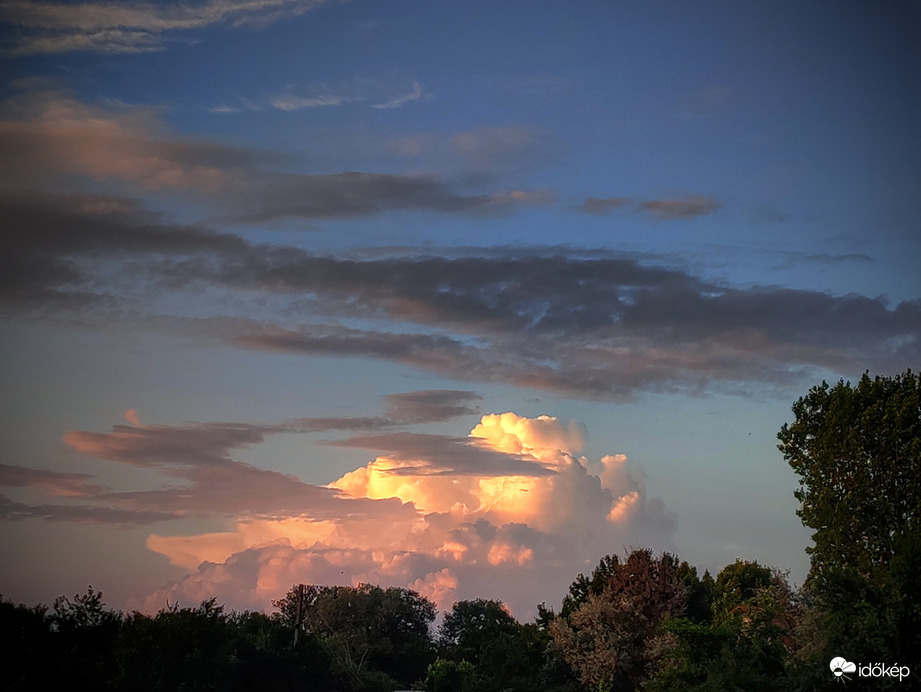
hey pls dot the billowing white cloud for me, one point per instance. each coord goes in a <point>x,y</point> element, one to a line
<point>520,538</point>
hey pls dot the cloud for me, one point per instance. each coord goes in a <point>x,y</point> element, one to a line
<point>792,259</point>
<point>361,90</point>
<point>130,27</point>
<point>402,99</point>
<point>296,103</point>
<point>50,140</point>
<point>489,152</point>
<point>662,209</point>
<point>405,408</point>
<point>685,208</point>
<point>580,322</point>
<point>17,511</point>
<point>210,482</point>
<point>518,537</point>
<point>51,482</point>
<point>355,193</point>
<point>511,510</point>
<point>48,136</point>
<point>442,455</point>
<point>603,205</point>
<point>430,405</point>
<point>204,478</point>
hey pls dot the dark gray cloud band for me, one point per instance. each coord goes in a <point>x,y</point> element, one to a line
<point>584,323</point>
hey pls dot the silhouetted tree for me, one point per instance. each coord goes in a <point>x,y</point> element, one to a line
<point>85,633</point>
<point>26,642</point>
<point>188,648</point>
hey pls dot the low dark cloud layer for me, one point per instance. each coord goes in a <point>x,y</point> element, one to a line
<point>589,324</point>
<point>51,482</point>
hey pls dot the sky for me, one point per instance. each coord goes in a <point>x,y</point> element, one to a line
<point>458,297</point>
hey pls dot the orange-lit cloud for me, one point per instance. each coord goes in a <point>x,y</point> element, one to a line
<point>54,135</point>
<point>517,537</point>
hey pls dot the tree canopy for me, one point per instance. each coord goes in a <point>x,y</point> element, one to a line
<point>857,450</point>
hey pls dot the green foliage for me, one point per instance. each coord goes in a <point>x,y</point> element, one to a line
<point>504,653</point>
<point>736,585</point>
<point>612,637</point>
<point>450,676</point>
<point>698,593</point>
<point>857,450</point>
<point>748,643</point>
<point>365,628</point>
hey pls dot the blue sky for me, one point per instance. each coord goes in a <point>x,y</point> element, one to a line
<point>268,265</point>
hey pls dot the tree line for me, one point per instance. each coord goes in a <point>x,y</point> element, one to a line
<point>638,621</point>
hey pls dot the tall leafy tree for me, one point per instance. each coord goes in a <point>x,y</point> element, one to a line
<point>857,451</point>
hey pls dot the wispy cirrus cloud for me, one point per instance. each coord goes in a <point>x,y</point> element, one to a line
<point>130,26</point>
<point>385,92</point>
<point>401,100</point>
<point>295,103</point>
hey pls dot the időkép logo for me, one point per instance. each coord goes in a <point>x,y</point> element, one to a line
<point>844,670</point>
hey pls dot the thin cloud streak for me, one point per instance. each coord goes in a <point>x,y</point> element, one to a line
<point>131,27</point>
<point>51,482</point>
<point>684,208</point>
<point>402,99</point>
<point>661,209</point>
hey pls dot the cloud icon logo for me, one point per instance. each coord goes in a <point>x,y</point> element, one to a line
<point>840,666</point>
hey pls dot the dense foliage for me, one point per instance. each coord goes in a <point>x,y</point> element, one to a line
<point>856,450</point>
<point>637,622</point>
